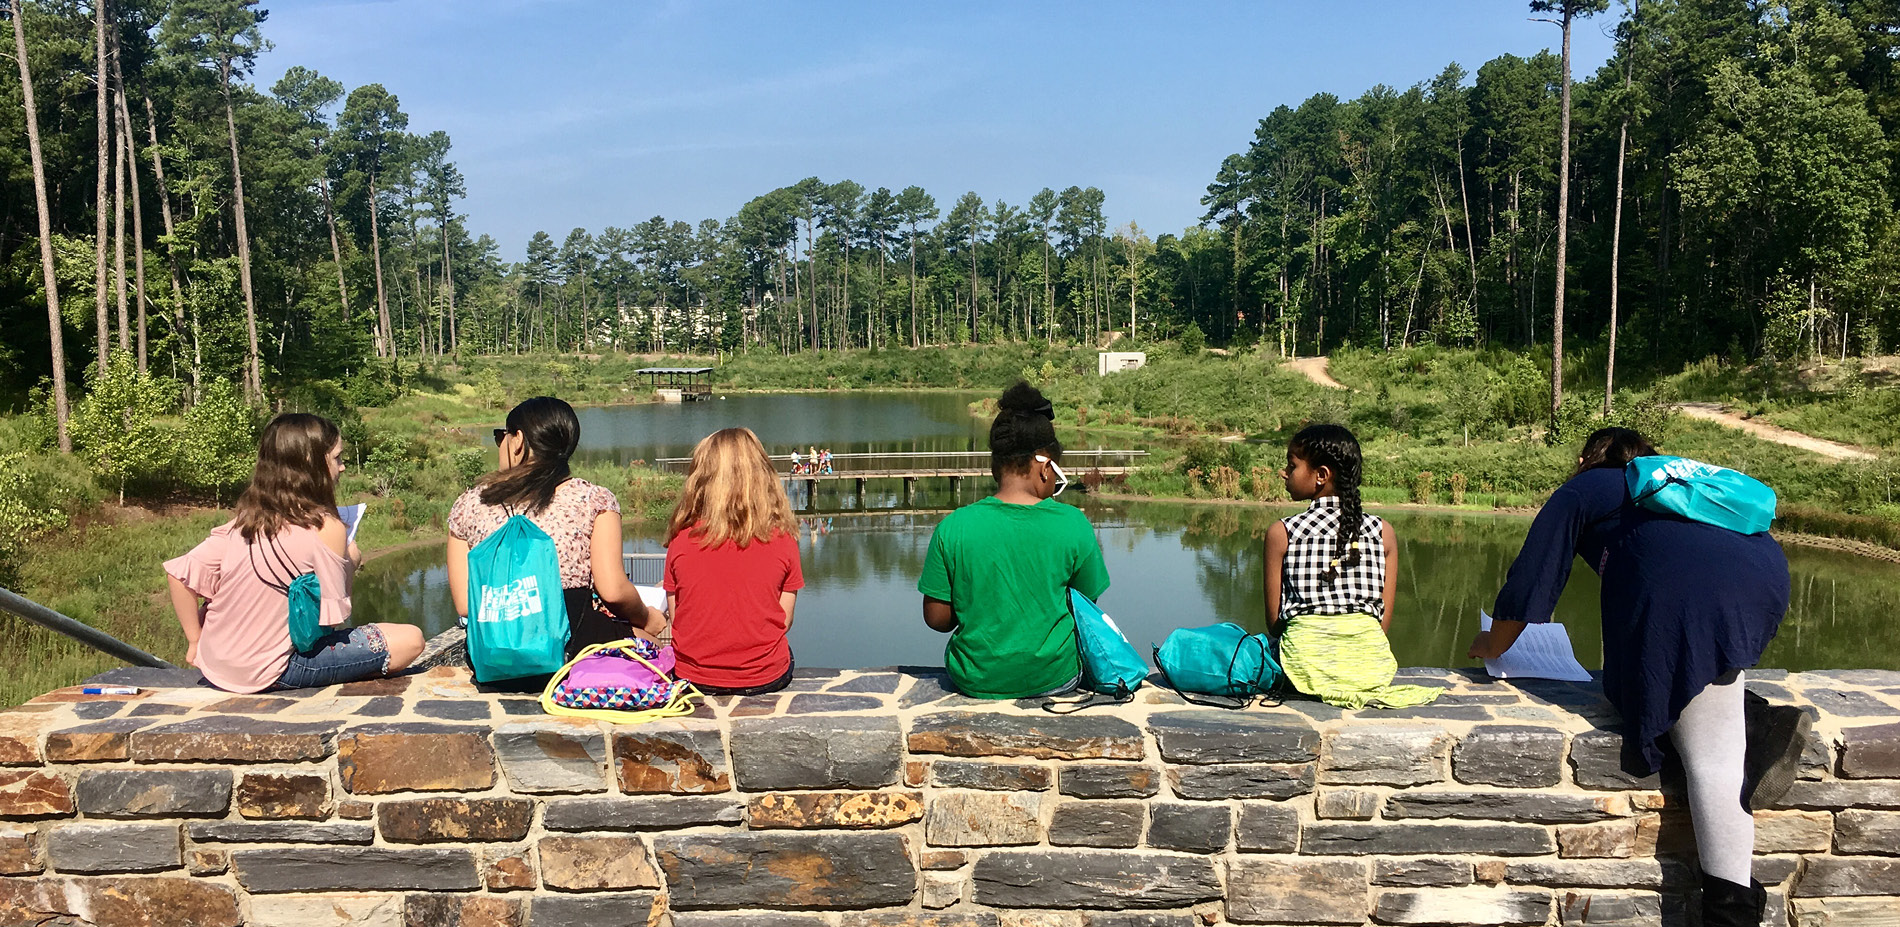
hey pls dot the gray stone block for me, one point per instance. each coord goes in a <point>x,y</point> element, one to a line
<point>1067,879</point>
<point>1097,824</point>
<point>114,848</point>
<point>883,683</point>
<point>1208,736</point>
<point>1838,876</point>
<point>645,813</point>
<point>1422,873</point>
<point>1190,828</point>
<point>1848,704</point>
<point>130,793</point>
<point>980,819</point>
<point>1871,752</point>
<point>1267,828</point>
<point>999,777</point>
<point>1105,780</point>
<point>816,753</point>
<point>540,758</point>
<point>748,919</point>
<point>1140,919</point>
<point>1622,909</point>
<point>1384,839</point>
<point>1296,891</point>
<point>1867,832</point>
<point>1516,756</point>
<point>1241,780</point>
<point>598,909</point>
<point>1534,807</point>
<point>1586,873</point>
<point>1385,754</point>
<point>1596,760</point>
<point>365,869</point>
<point>1835,795</point>
<point>1347,804</point>
<point>1043,736</point>
<point>786,870</point>
<point>344,832</point>
<point>1459,907</point>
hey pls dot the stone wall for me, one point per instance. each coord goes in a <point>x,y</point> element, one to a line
<point>880,798</point>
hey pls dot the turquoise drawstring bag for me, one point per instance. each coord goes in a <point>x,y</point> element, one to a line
<point>517,616</point>
<point>1110,664</point>
<point>303,594</point>
<point>1221,660</point>
<point>1701,492</point>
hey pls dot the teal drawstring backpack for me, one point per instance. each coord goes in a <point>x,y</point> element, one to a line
<point>1221,660</point>
<point>1701,492</point>
<point>517,616</point>
<point>1110,664</point>
<point>303,595</point>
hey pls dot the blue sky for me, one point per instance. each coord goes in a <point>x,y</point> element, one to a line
<point>593,113</point>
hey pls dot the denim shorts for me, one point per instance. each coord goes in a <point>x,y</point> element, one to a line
<point>342,655</point>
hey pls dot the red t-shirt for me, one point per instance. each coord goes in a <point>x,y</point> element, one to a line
<point>728,628</point>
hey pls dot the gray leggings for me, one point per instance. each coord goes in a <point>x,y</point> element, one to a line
<point>1711,737</point>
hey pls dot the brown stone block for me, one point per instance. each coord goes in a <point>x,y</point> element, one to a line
<point>279,795</point>
<point>596,863</point>
<point>34,794</point>
<point>153,902</point>
<point>915,773</point>
<point>943,860</point>
<point>208,862</point>
<point>457,820</point>
<point>443,910</point>
<point>97,742</point>
<point>20,851</point>
<point>384,758</point>
<point>20,738</point>
<point>977,819</point>
<point>1489,871</point>
<point>835,810</point>
<point>1297,891</point>
<point>680,762</point>
<point>355,810</point>
<point>233,739</point>
<point>1066,737</point>
<point>1793,831</point>
<point>508,869</point>
<point>1600,840</point>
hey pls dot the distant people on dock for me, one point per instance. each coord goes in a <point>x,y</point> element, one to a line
<point>998,572</point>
<point>232,592</point>
<point>1331,576</point>
<point>532,478</point>
<point>824,461</point>
<point>732,569</point>
<point>797,468</point>
<point>1686,608</point>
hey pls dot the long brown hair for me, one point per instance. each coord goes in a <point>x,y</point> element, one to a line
<point>732,493</point>
<point>1612,447</point>
<point>551,431</point>
<point>291,484</point>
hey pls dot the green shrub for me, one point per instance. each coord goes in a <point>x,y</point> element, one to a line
<point>1423,487</point>
<point>220,440</point>
<point>1458,485</point>
<point>115,428</point>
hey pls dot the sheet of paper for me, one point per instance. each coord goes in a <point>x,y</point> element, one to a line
<point>654,596</point>
<point>1543,651</point>
<point>352,516</point>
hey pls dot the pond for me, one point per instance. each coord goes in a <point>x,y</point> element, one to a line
<point>1189,565</point>
<point>904,421</point>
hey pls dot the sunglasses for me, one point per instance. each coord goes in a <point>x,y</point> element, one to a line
<point>1062,479</point>
<point>501,434</point>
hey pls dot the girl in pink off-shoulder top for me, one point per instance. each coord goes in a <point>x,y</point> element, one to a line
<point>228,591</point>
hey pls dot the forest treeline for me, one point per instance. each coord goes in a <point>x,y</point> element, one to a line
<point>1732,164</point>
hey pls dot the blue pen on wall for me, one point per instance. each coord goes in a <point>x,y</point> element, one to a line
<point>110,690</point>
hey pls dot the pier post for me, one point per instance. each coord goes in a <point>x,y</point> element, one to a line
<point>955,481</point>
<point>910,488</point>
<point>860,482</point>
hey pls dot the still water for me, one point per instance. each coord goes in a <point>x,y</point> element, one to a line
<point>903,421</point>
<point>1187,565</point>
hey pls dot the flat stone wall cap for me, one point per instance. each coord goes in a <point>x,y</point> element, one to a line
<point>787,870</point>
<point>1871,751</point>
<point>154,792</point>
<point>1103,879</point>
<point>1212,736</point>
<point>1296,891</point>
<point>1596,761</point>
<point>807,752</point>
<point>1459,907</point>
<point>234,739</point>
<point>1044,736</point>
<point>337,832</point>
<point>656,813</point>
<point>313,869</point>
<point>97,742</point>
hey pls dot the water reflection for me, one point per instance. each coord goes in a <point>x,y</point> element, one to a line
<point>907,421</point>
<point>1186,565</point>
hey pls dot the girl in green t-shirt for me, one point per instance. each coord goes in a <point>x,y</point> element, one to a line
<point>998,573</point>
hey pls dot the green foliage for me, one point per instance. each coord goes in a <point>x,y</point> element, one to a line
<point>1192,340</point>
<point>116,427</point>
<point>388,468</point>
<point>220,440</point>
<point>22,515</point>
<point>470,464</point>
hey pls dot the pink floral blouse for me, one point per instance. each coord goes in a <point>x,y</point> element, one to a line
<point>569,520</point>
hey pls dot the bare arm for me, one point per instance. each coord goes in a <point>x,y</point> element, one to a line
<point>939,615</point>
<point>1390,539</point>
<point>1276,562</point>
<point>610,573</point>
<point>190,619</point>
<point>786,600</point>
<point>1490,645</point>
<point>458,574</point>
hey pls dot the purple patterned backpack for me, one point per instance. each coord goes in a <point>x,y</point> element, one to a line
<point>629,675</point>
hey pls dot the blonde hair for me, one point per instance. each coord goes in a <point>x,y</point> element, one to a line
<point>732,493</point>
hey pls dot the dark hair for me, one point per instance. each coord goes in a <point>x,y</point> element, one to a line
<point>1612,447</point>
<point>291,484</point>
<point>1025,426</point>
<point>552,431</point>
<point>1335,448</point>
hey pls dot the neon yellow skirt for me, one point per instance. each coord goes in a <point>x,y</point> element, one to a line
<point>1345,660</point>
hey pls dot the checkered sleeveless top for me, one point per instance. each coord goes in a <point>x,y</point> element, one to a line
<point>1311,538</point>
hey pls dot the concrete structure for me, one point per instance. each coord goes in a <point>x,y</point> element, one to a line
<point>860,799</point>
<point>1107,362</point>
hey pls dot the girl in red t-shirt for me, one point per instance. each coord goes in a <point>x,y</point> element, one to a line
<point>732,571</point>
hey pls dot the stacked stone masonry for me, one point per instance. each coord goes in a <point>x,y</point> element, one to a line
<point>861,799</point>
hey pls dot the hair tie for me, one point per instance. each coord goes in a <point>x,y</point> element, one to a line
<point>1047,409</point>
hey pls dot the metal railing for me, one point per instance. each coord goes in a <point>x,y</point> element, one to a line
<point>1079,461</point>
<point>28,610</point>
<point>645,569</point>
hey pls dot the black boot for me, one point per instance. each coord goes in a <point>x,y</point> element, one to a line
<point>1725,904</point>
<point>1777,735</point>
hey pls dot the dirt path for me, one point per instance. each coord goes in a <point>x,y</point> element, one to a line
<point>1315,369</point>
<point>1715,412</point>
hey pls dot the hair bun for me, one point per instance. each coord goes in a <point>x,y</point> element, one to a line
<point>1022,398</point>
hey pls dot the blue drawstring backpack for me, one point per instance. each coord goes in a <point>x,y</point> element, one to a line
<point>517,616</point>
<point>1110,664</point>
<point>1221,660</point>
<point>1701,492</point>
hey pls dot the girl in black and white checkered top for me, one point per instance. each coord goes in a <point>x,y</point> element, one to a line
<point>1332,573</point>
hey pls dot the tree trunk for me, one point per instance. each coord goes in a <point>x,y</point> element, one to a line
<point>126,136</point>
<point>913,288</point>
<point>100,11</point>
<point>118,237</point>
<point>254,386</point>
<point>1616,251</point>
<point>1471,246</point>
<point>385,342</point>
<point>55,326</point>
<point>448,283</point>
<point>1563,241</point>
<point>336,247</point>
<point>178,284</point>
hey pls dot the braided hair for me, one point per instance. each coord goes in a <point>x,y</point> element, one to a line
<point>1024,427</point>
<point>1335,448</point>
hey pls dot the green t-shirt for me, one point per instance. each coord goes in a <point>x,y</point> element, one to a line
<point>1007,570</point>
